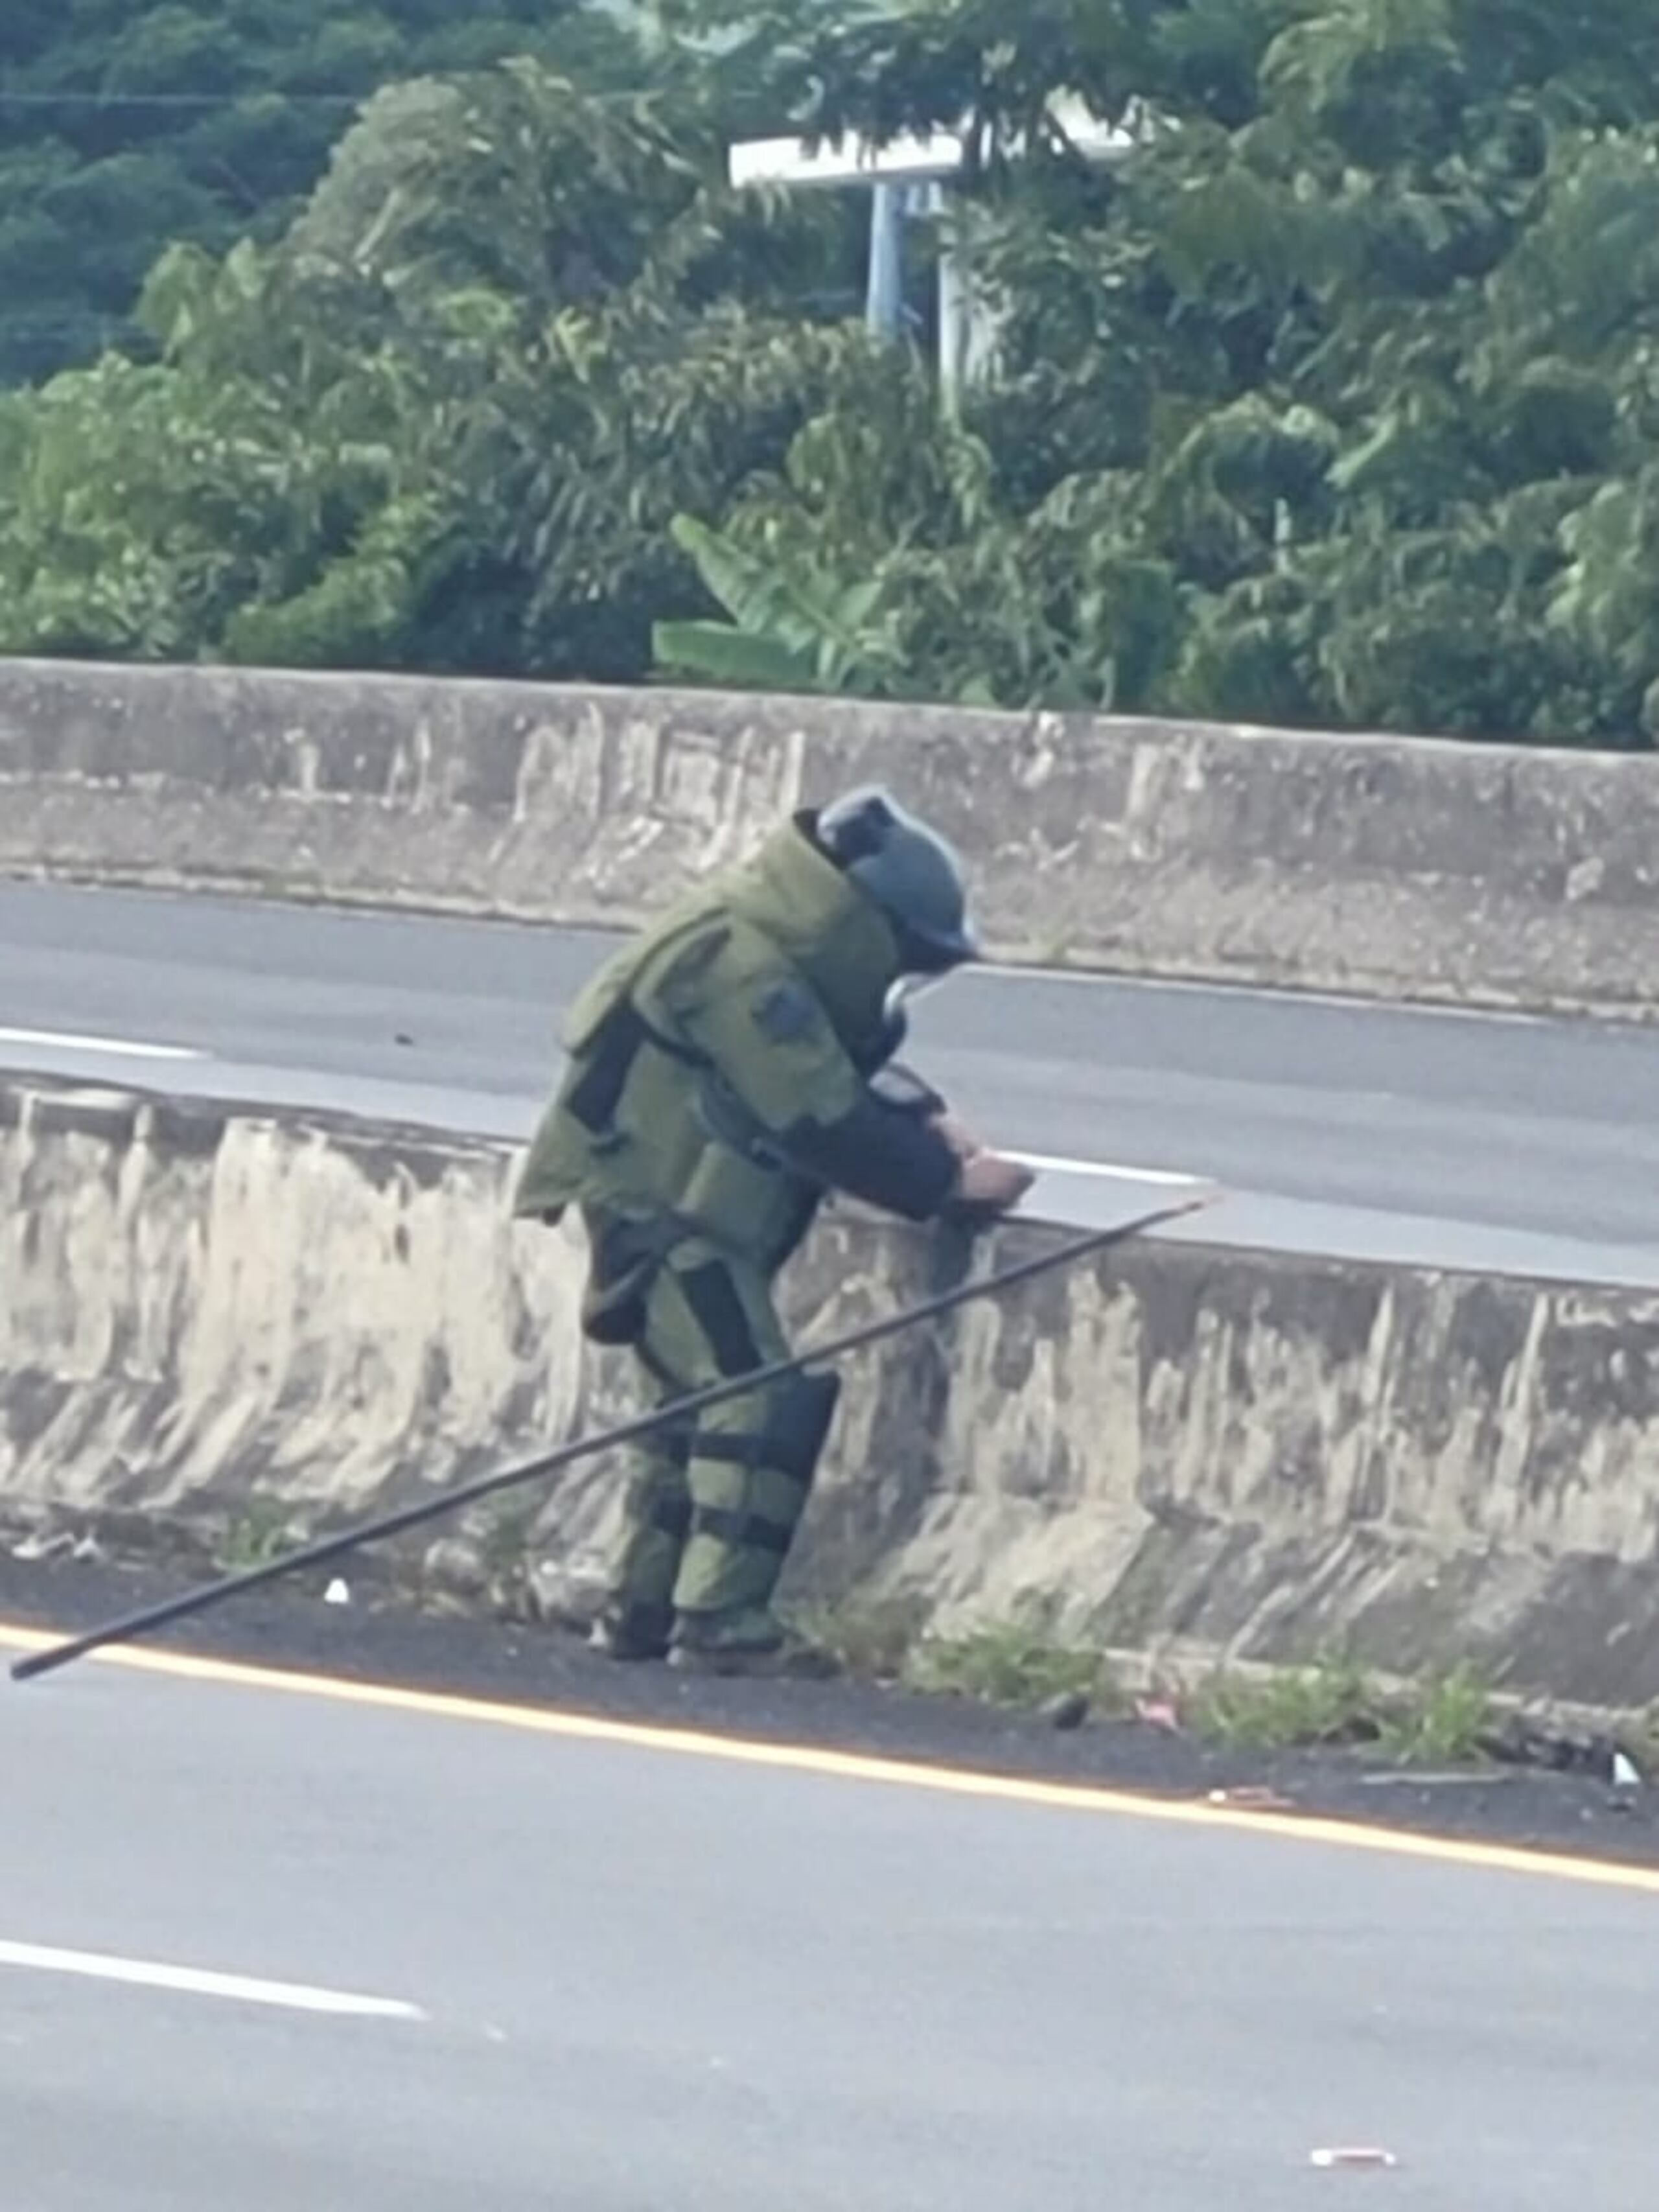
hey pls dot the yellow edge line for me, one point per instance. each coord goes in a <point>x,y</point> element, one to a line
<point>860,1766</point>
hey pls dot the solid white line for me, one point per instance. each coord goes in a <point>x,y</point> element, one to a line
<point>64,1041</point>
<point>194,1981</point>
<point>1280,994</point>
<point>1045,1164</point>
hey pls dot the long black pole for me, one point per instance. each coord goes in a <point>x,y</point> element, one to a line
<point>678,1410</point>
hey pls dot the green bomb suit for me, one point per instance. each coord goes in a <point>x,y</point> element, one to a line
<point>723,1073</point>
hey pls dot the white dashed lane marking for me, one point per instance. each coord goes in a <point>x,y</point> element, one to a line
<point>196,1981</point>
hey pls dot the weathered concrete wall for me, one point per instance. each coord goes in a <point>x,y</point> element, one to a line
<point>1211,1452</point>
<point>1445,872</point>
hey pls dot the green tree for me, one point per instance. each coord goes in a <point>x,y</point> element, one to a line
<point>1336,401</point>
<point>125,127</point>
<point>448,418</point>
<point>1337,397</point>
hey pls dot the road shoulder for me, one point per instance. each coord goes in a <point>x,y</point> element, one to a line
<point>383,1644</point>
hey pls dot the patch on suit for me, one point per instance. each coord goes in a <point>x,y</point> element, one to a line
<point>788,1014</point>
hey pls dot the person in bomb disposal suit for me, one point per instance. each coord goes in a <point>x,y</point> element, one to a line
<point>727,1069</point>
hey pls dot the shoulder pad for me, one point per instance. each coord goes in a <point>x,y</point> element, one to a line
<point>689,960</point>
<point>674,973</point>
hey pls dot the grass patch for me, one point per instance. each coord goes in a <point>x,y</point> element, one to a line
<point>1009,1666</point>
<point>1334,1702</point>
<point>1324,1704</point>
<point>1447,1719</point>
<point>504,1540</point>
<point>1004,1664</point>
<point>256,1537</point>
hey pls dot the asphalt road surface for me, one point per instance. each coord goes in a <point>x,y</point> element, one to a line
<point>1470,1140</point>
<point>268,1950</point>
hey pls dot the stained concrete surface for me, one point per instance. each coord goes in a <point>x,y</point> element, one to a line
<point>208,1314</point>
<point>1457,872</point>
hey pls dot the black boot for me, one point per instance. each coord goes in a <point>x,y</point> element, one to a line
<point>632,1631</point>
<point>752,1643</point>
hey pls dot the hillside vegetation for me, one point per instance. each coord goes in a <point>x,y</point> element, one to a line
<point>1336,403</point>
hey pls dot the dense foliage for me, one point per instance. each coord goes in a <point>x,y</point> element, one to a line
<point>128,125</point>
<point>1336,403</point>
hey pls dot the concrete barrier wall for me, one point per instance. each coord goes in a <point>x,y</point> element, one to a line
<point>1444,873</point>
<point>1179,1449</point>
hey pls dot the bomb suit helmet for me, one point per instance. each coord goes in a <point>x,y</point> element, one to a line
<point>908,870</point>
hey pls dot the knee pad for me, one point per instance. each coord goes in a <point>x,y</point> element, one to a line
<point>797,1422</point>
<point>785,1432</point>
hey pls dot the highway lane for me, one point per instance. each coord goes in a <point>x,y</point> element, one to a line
<point>640,1981</point>
<point>1467,1140</point>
